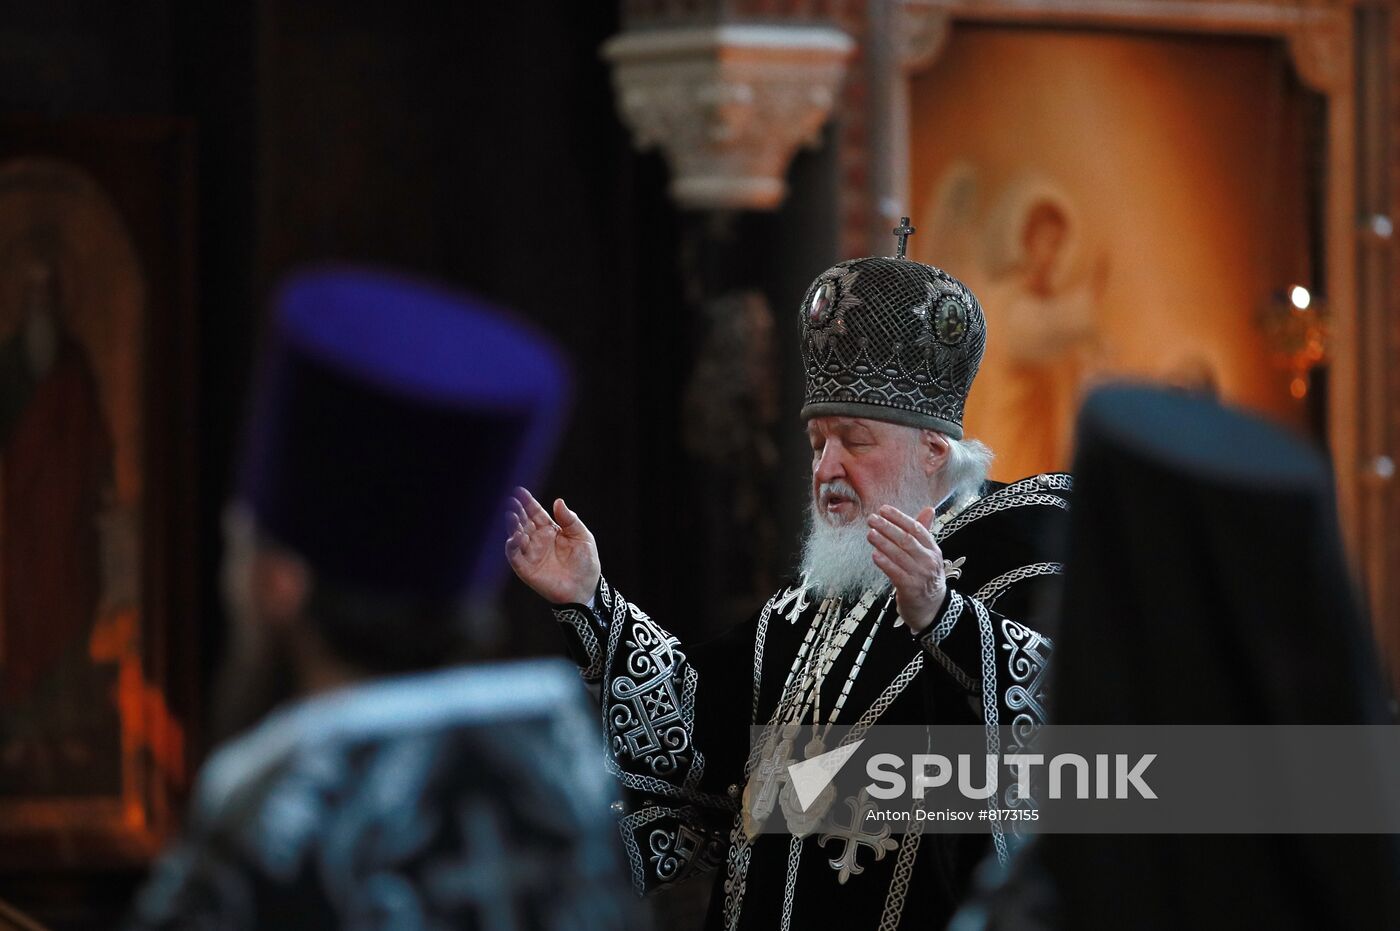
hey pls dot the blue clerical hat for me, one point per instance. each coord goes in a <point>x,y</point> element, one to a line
<point>390,419</point>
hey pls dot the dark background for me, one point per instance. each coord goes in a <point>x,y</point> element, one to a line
<point>475,143</point>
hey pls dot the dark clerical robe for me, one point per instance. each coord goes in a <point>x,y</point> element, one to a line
<point>677,719</point>
<point>459,799</point>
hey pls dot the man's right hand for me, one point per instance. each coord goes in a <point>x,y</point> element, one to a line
<point>554,556</point>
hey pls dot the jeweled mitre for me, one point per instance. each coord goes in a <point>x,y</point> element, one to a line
<point>891,339</point>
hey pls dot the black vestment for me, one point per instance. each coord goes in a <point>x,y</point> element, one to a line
<point>677,720</point>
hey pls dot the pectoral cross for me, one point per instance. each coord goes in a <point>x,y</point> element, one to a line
<point>768,778</point>
<point>903,231</point>
<point>855,836</point>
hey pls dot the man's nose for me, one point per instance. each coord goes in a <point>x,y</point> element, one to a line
<point>830,464</point>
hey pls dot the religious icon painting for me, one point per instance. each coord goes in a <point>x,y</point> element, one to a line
<point>831,298</point>
<point>950,321</point>
<point>92,265</point>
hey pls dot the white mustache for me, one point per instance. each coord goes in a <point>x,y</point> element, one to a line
<point>827,490</point>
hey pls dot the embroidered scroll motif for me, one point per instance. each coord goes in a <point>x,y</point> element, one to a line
<point>649,709</point>
<point>1025,663</point>
<point>736,873</point>
<point>675,848</point>
<point>676,852</point>
<point>645,716</point>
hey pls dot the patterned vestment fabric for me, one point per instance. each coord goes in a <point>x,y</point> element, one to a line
<point>676,717</point>
<point>461,799</point>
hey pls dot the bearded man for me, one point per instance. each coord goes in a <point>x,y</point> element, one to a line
<point>902,613</point>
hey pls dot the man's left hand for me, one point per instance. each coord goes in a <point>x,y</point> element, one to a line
<point>906,552</point>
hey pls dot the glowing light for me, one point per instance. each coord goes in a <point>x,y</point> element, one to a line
<point>1299,296</point>
<point>1298,388</point>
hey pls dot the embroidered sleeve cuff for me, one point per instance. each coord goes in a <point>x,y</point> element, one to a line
<point>581,636</point>
<point>943,622</point>
<point>583,625</point>
<point>942,626</point>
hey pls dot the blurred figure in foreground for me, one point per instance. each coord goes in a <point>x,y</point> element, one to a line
<point>382,789</point>
<point>1205,556</point>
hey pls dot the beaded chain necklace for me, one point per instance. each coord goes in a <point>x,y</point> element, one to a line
<point>810,668</point>
<point>817,745</point>
<point>821,646</point>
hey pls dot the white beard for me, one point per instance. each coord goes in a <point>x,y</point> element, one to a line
<point>837,559</point>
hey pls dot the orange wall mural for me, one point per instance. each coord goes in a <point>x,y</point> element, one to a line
<point>1124,206</point>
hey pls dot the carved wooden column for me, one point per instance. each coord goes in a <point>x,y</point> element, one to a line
<point>728,104</point>
<point>728,91</point>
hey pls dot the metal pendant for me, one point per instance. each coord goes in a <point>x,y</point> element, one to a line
<point>767,779</point>
<point>803,821</point>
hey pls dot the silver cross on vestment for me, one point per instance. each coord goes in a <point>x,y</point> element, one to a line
<point>855,836</point>
<point>903,231</point>
<point>761,793</point>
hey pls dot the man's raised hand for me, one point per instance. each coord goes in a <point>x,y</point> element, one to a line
<point>556,556</point>
<point>907,553</point>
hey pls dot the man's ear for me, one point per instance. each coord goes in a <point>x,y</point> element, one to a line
<point>281,584</point>
<point>934,447</point>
